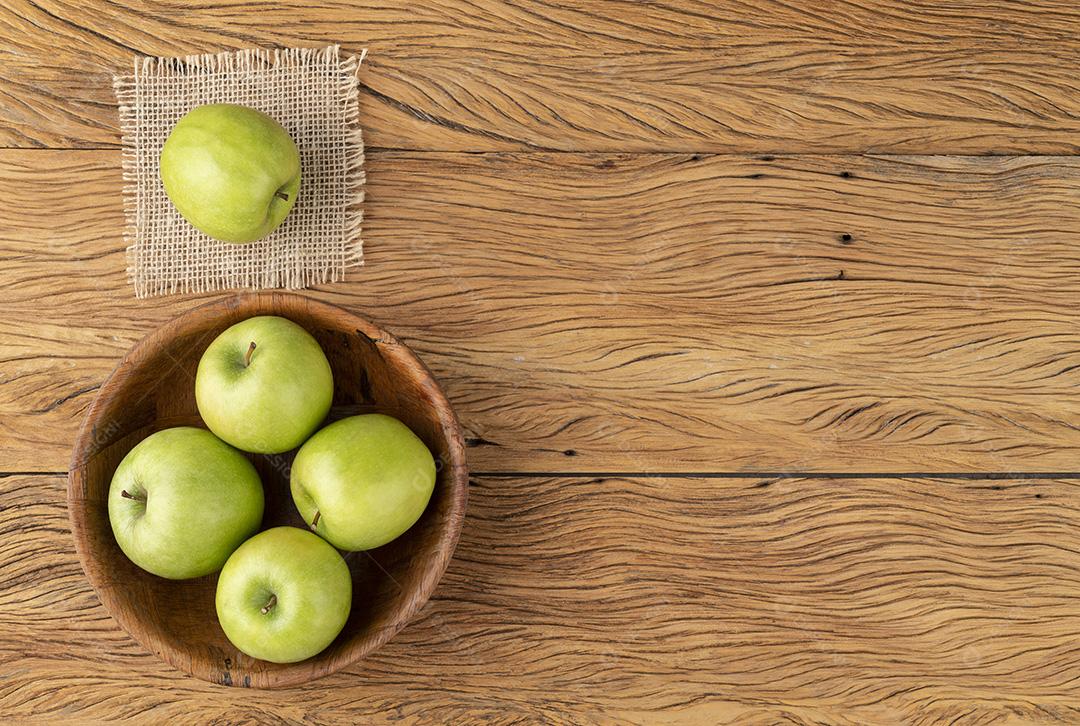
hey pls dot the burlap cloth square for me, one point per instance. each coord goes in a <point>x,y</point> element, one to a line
<point>313,94</point>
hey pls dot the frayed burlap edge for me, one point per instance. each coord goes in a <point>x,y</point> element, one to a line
<point>126,91</point>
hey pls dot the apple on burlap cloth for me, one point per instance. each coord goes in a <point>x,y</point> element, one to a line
<point>312,92</point>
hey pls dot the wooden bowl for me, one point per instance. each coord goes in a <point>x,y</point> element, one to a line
<point>153,388</point>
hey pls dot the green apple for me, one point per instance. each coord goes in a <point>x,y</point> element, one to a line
<point>362,481</point>
<point>181,501</point>
<point>232,171</point>
<point>284,595</point>
<point>264,385</point>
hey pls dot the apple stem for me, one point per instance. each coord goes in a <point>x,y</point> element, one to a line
<point>247,356</point>
<point>269,604</point>
<point>281,195</point>
<point>136,497</point>
<point>315,521</point>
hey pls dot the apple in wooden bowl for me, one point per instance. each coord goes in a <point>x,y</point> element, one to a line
<point>153,389</point>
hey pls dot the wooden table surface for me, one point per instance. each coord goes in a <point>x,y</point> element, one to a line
<point>760,318</point>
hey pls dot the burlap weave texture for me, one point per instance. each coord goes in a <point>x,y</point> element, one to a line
<point>313,94</point>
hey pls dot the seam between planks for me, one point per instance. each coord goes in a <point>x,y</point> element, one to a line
<point>541,151</point>
<point>959,475</point>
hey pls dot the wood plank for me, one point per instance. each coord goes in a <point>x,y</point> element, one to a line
<point>637,313</point>
<point>863,75</point>
<point>666,600</point>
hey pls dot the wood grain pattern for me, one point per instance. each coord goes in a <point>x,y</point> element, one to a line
<point>975,76</point>
<point>638,313</point>
<point>658,600</point>
<point>632,304</point>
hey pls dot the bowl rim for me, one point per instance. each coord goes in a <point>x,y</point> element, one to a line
<point>390,347</point>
